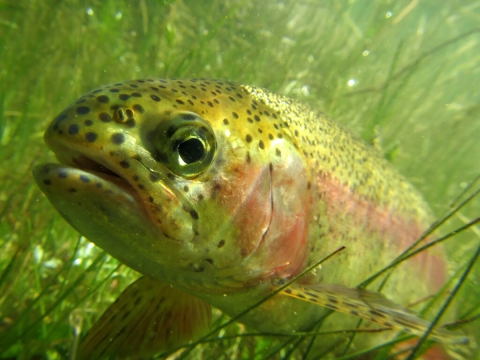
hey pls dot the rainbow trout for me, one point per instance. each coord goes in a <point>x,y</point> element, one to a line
<point>218,193</point>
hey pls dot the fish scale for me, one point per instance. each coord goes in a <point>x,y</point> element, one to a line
<point>223,191</point>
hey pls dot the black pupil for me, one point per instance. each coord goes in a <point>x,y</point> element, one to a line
<point>191,150</point>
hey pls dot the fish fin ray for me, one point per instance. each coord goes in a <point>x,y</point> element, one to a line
<point>371,306</point>
<point>147,318</point>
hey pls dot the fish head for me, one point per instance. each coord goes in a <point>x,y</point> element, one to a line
<point>196,181</point>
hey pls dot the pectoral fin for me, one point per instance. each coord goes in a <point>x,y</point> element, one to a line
<point>148,317</point>
<point>373,307</point>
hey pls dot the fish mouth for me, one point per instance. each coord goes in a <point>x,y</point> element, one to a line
<point>94,165</point>
<point>133,173</point>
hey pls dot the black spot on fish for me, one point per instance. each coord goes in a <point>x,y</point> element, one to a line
<point>104,117</point>
<point>248,138</point>
<point>353,312</point>
<point>221,243</point>
<point>332,300</point>
<point>91,136</point>
<point>178,101</point>
<point>72,190</point>
<point>118,138</point>
<point>62,174</point>
<point>376,313</point>
<point>155,98</point>
<point>261,144</point>
<point>103,99</point>
<point>85,178</point>
<point>73,129</point>
<point>138,108</point>
<point>114,90</point>
<point>150,198</point>
<point>136,94</point>
<point>125,164</point>
<point>225,121</point>
<point>124,97</point>
<point>47,182</point>
<point>82,110</point>
<point>130,123</point>
<point>153,177</point>
<point>235,115</point>
<point>194,214</point>
<point>88,122</point>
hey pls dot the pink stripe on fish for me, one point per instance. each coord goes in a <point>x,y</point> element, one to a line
<point>342,202</point>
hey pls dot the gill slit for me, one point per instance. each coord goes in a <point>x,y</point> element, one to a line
<point>270,167</point>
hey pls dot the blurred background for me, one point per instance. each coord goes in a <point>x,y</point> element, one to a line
<point>404,72</point>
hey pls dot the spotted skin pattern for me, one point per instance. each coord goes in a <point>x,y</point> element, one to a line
<point>223,189</point>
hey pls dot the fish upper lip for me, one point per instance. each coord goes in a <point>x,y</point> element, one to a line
<point>85,162</point>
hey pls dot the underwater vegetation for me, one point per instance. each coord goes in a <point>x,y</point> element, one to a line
<point>401,74</point>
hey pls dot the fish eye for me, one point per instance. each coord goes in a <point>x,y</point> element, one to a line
<point>186,144</point>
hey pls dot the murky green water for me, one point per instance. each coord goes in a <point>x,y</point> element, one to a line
<point>406,69</point>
